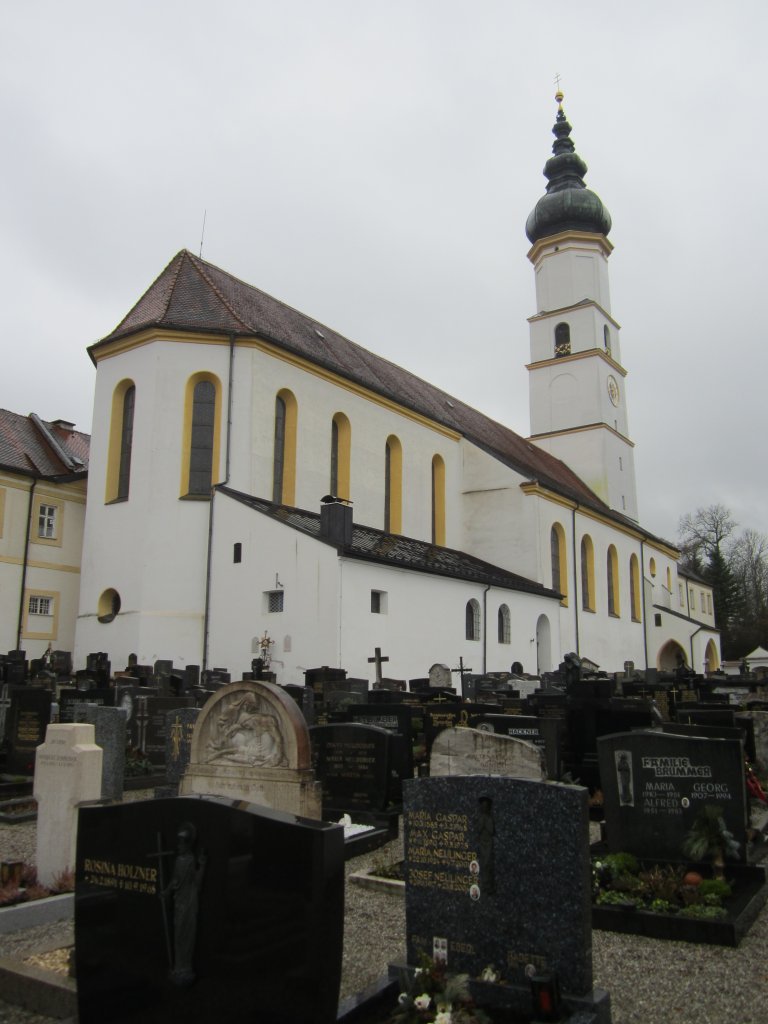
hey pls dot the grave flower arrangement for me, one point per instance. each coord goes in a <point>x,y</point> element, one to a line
<point>430,995</point>
<point>618,879</point>
<point>19,884</point>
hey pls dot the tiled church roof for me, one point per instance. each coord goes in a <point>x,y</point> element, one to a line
<point>372,545</point>
<point>41,449</point>
<point>192,295</point>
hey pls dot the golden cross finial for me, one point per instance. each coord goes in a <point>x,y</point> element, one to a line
<point>559,93</point>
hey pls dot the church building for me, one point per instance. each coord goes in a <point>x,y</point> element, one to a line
<point>256,477</point>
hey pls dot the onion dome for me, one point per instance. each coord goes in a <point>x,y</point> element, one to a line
<point>568,203</point>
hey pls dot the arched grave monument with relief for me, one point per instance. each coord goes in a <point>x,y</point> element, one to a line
<point>251,743</point>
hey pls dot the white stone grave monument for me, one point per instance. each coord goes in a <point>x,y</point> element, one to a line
<point>67,773</point>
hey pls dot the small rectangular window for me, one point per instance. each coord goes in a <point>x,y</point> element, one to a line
<point>40,606</point>
<point>275,600</point>
<point>378,602</point>
<point>703,602</point>
<point>709,604</point>
<point>692,598</point>
<point>680,589</point>
<point>237,552</point>
<point>657,618</point>
<point>46,522</point>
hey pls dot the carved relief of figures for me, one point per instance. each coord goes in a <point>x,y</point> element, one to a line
<point>246,732</point>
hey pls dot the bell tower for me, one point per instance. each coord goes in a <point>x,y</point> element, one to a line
<point>578,397</point>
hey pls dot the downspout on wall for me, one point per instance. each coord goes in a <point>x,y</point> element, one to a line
<point>209,554</point>
<point>24,564</point>
<point>575,583</point>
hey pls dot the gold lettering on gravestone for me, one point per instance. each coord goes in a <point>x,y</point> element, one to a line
<point>28,727</point>
<point>116,875</point>
<point>662,703</point>
<point>439,853</point>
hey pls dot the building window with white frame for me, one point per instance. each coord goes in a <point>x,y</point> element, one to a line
<point>275,600</point>
<point>46,522</point>
<point>472,631</point>
<point>39,605</point>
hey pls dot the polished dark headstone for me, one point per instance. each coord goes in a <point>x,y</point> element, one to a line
<point>354,765</point>
<point>498,872</point>
<point>28,717</point>
<point>179,727</point>
<point>251,928</point>
<point>655,783</point>
<point>156,708</point>
<point>70,699</point>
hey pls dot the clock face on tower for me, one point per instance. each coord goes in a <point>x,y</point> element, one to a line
<point>613,390</point>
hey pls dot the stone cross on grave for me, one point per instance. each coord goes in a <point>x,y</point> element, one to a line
<point>5,703</point>
<point>142,717</point>
<point>377,659</point>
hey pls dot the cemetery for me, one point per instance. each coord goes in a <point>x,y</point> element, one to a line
<point>532,830</point>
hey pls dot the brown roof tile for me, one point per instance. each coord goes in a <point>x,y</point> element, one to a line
<point>41,449</point>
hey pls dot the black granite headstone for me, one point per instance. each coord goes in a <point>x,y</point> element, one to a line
<point>28,718</point>
<point>179,727</point>
<point>196,910</point>
<point>156,709</point>
<point>655,783</point>
<point>69,698</point>
<point>498,872</point>
<point>354,765</point>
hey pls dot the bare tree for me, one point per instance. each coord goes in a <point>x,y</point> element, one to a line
<point>703,534</point>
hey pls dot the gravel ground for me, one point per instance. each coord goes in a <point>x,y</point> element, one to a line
<point>650,981</point>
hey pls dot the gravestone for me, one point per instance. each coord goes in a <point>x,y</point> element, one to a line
<point>251,743</point>
<point>28,717</point>
<point>198,910</point>
<point>67,772</point>
<point>498,872</point>
<point>353,763</point>
<point>70,699</point>
<point>440,676</point>
<point>477,752</point>
<point>395,718</point>
<point>760,731</point>
<point>305,699</point>
<point>655,783</point>
<point>109,733</point>
<point>179,729</point>
<point>157,708</point>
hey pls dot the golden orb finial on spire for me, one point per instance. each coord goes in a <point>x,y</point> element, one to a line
<point>558,94</point>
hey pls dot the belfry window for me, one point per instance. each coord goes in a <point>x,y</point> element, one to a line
<point>562,340</point>
<point>606,339</point>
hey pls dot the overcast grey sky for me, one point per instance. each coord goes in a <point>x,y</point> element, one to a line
<point>372,163</point>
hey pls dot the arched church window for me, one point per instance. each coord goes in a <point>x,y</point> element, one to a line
<point>473,620</point>
<point>559,562</point>
<point>393,485</point>
<point>126,443</point>
<point>505,625</point>
<point>634,588</point>
<point>438,500</point>
<point>612,579</point>
<point>202,415</point>
<point>120,441</point>
<point>562,340</point>
<point>341,443</point>
<point>284,458</point>
<point>587,574</point>
<point>201,446</point>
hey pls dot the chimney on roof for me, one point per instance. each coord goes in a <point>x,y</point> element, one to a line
<point>64,425</point>
<point>336,519</point>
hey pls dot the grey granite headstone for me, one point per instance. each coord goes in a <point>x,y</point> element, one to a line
<point>655,783</point>
<point>110,734</point>
<point>498,872</point>
<point>353,763</point>
<point>479,752</point>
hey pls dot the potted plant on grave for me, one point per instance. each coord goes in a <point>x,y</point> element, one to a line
<point>430,995</point>
<point>710,839</point>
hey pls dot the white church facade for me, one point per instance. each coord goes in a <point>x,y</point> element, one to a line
<point>223,418</point>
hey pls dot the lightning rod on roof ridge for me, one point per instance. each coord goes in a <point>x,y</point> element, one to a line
<point>202,234</point>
